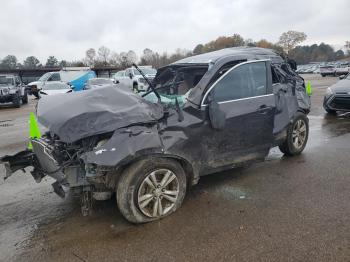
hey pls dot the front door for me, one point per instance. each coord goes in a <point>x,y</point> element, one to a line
<point>244,94</point>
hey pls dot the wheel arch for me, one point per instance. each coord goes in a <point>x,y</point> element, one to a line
<point>191,172</point>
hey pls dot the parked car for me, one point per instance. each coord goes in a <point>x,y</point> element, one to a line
<point>75,76</point>
<point>337,97</point>
<point>327,70</point>
<point>118,76</point>
<point>54,88</point>
<point>12,90</point>
<point>240,102</point>
<point>134,80</point>
<point>97,83</point>
<point>342,69</point>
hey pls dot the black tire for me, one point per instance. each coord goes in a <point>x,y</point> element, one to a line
<point>36,94</point>
<point>135,88</point>
<point>330,111</point>
<point>288,147</point>
<point>16,100</point>
<point>132,180</point>
<point>323,75</point>
<point>25,97</point>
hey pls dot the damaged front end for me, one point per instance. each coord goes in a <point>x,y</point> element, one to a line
<point>61,161</point>
<point>64,152</point>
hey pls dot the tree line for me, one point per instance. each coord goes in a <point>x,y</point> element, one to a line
<point>287,46</point>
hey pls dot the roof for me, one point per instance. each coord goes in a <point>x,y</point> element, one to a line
<point>241,52</point>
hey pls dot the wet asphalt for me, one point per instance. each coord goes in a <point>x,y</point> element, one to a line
<point>284,209</point>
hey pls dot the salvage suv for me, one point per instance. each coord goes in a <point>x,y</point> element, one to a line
<point>12,90</point>
<point>239,103</point>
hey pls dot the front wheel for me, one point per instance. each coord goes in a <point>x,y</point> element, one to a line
<point>135,88</point>
<point>297,135</point>
<point>16,100</point>
<point>151,189</point>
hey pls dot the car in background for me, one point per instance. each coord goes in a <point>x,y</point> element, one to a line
<point>342,69</point>
<point>97,83</point>
<point>12,90</point>
<point>337,97</point>
<point>134,80</point>
<point>117,76</point>
<point>327,70</point>
<point>54,88</point>
<point>75,76</point>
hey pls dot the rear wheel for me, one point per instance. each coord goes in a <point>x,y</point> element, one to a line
<point>25,97</point>
<point>323,75</point>
<point>151,189</point>
<point>297,136</point>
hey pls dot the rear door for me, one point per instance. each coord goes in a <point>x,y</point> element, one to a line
<point>244,93</point>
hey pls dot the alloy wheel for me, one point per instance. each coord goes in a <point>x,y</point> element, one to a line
<point>299,134</point>
<point>158,193</point>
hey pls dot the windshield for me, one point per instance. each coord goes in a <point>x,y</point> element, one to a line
<point>44,77</point>
<point>5,80</point>
<point>55,86</point>
<point>99,81</point>
<point>176,83</point>
<point>146,71</point>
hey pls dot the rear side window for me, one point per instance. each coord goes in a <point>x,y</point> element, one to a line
<point>55,77</point>
<point>247,80</point>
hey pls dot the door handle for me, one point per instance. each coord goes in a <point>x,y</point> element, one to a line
<point>264,109</point>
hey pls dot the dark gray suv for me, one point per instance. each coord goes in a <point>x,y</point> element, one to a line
<point>212,112</point>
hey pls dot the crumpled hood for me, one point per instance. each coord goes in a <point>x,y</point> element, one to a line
<point>341,86</point>
<point>77,115</point>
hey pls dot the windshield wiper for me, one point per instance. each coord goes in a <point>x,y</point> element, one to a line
<point>148,82</point>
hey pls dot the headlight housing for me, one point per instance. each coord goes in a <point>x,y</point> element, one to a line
<point>5,91</point>
<point>142,81</point>
<point>329,91</point>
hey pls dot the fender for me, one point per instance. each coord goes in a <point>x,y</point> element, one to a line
<point>132,143</point>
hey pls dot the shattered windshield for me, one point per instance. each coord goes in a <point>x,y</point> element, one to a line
<point>176,82</point>
<point>5,80</point>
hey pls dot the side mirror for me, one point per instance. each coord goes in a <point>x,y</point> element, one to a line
<point>342,77</point>
<point>216,116</point>
<point>130,75</point>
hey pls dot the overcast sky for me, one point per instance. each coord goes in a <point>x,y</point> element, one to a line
<point>67,28</point>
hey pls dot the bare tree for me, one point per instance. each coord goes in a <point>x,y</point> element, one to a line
<point>103,53</point>
<point>9,62</point>
<point>291,39</point>
<point>131,57</point>
<point>90,56</point>
<point>347,47</point>
<point>114,59</point>
<point>31,62</point>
